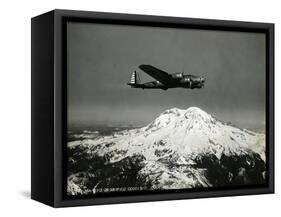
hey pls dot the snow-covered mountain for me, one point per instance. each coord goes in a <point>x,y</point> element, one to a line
<point>178,148</point>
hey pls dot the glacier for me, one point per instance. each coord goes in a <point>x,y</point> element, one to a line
<point>181,148</point>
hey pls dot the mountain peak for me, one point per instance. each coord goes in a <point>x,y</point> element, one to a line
<point>197,114</point>
<point>175,111</point>
<point>196,111</point>
<point>190,117</point>
<point>193,109</point>
<point>191,112</point>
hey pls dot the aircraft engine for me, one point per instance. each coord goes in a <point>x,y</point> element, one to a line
<point>177,75</point>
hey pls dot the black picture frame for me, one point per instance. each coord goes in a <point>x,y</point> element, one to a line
<point>49,104</point>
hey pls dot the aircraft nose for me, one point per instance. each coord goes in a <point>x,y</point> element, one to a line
<point>203,82</point>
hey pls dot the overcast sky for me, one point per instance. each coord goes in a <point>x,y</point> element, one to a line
<point>101,58</point>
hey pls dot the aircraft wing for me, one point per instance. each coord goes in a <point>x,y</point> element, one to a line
<point>157,74</point>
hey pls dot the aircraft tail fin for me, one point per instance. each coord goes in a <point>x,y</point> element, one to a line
<point>135,79</point>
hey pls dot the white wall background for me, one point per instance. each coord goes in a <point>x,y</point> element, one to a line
<point>15,106</point>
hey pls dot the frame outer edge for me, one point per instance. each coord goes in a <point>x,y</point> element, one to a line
<point>58,107</point>
<point>271,33</point>
<point>42,95</point>
<point>58,90</point>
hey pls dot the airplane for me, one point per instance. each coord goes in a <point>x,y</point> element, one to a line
<point>165,80</point>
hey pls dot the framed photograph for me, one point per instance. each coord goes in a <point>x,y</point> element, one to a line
<point>131,108</point>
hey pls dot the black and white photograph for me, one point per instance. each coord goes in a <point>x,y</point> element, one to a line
<point>160,109</point>
<point>140,108</point>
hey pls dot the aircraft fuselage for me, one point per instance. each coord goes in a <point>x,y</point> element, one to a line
<point>165,81</point>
